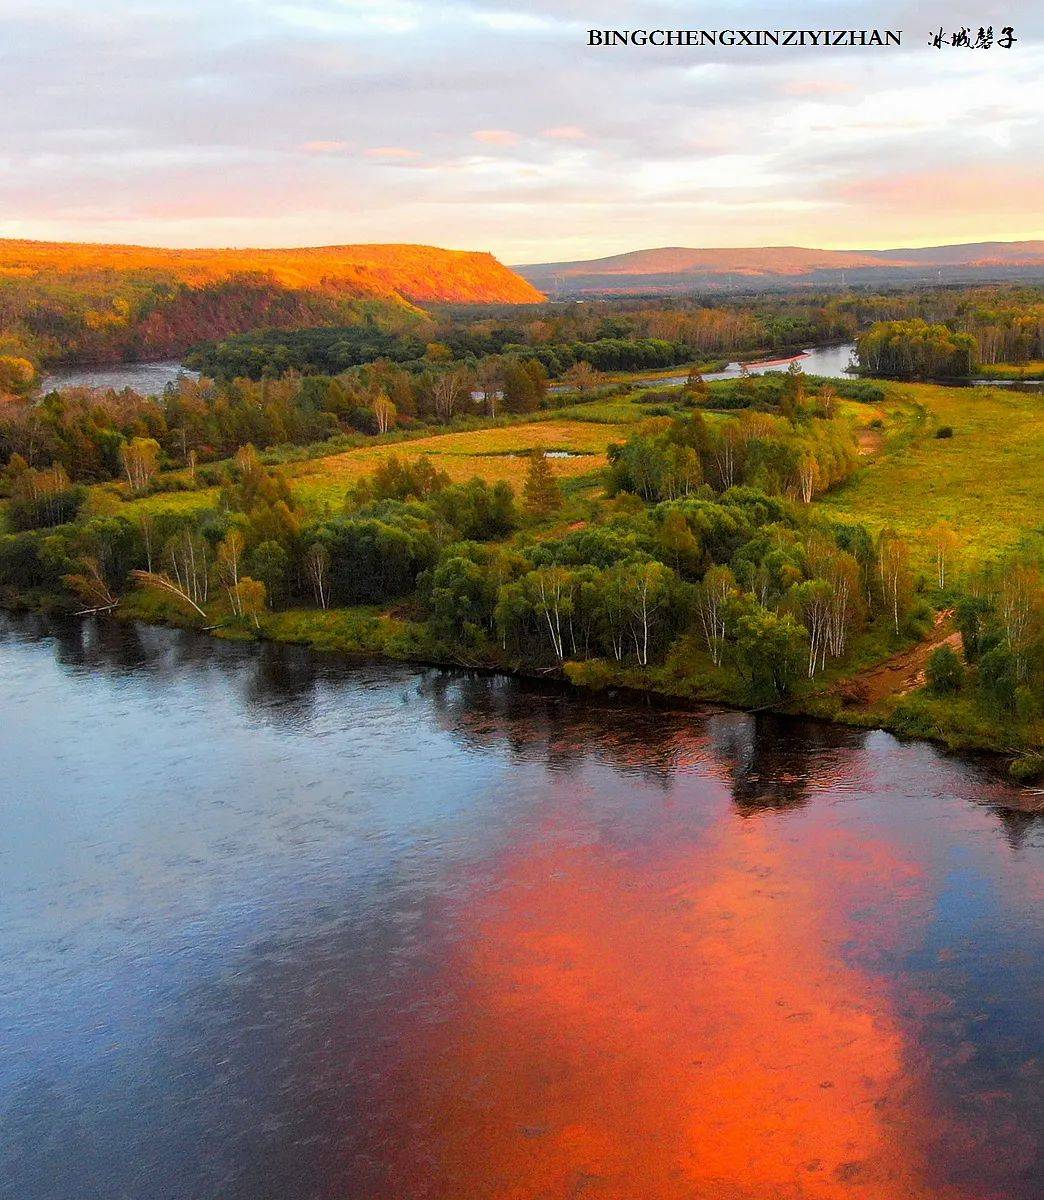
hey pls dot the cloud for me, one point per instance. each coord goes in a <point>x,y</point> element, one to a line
<point>565,133</point>
<point>919,192</point>
<point>391,152</point>
<point>321,147</point>
<point>223,124</point>
<point>496,137</point>
<point>817,87</point>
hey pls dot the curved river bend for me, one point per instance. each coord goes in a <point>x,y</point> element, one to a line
<point>280,926</point>
<point>150,378</point>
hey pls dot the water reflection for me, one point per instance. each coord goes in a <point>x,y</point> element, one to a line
<point>276,925</point>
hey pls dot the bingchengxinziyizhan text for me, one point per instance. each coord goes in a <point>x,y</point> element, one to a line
<point>744,37</point>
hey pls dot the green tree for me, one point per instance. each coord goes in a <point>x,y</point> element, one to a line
<point>543,496</point>
<point>944,671</point>
<point>269,563</point>
<point>768,649</point>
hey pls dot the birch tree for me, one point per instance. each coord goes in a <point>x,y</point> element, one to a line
<point>646,591</point>
<point>712,596</point>
<point>384,412</point>
<point>139,458</point>
<point>317,564</point>
<point>893,561</point>
<point>944,542</point>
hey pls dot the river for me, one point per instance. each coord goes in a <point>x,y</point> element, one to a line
<point>148,378</point>
<point>151,378</point>
<point>277,925</point>
<point>829,361</point>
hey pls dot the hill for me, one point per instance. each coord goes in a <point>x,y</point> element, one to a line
<point>682,268</point>
<point>415,273</point>
<point>74,302</point>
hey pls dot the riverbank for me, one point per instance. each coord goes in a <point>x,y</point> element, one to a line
<point>373,633</point>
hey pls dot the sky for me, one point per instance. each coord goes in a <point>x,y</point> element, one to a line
<point>491,125</point>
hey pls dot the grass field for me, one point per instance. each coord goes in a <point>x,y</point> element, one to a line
<point>986,480</point>
<point>1028,370</point>
<point>491,454</point>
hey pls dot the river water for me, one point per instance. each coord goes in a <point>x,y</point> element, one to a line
<point>152,377</point>
<point>148,378</point>
<point>829,361</point>
<point>276,925</point>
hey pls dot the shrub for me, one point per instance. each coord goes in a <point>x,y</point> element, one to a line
<point>595,674</point>
<point>1027,706</point>
<point>945,671</point>
<point>912,717</point>
<point>944,431</point>
<point>1028,768</point>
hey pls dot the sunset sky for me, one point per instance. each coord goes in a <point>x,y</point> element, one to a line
<point>489,124</point>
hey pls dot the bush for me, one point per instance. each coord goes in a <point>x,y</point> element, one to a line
<point>919,620</point>
<point>594,674</point>
<point>1027,706</point>
<point>944,431</point>
<point>912,717</point>
<point>945,670</point>
<point>1028,768</point>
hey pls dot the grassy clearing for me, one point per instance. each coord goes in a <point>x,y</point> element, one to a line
<point>613,410</point>
<point>1029,370</point>
<point>986,480</point>
<point>492,454</point>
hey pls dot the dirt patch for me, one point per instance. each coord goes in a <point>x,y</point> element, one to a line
<point>870,442</point>
<point>903,672</point>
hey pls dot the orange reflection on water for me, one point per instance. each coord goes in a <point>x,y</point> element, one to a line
<point>678,1026</point>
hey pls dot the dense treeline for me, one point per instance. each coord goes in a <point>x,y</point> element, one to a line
<point>1007,323</point>
<point>938,333</point>
<point>691,577</point>
<point>787,441</point>
<point>89,434</point>
<point>688,558</point>
<point>330,351</point>
<point>737,577</point>
<point>916,350</point>
<point>610,336</point>
<point>949,333</point>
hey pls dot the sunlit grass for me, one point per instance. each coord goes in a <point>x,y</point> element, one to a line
<point>986,480</point>
<point>495,455</point>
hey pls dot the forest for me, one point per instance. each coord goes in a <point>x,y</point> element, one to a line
<point>943,333</point>
<point>258,323</point>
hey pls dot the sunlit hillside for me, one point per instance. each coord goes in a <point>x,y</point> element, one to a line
<point>412,272</point>
<point>72,302</point>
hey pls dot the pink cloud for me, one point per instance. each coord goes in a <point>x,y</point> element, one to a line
<point>496,137</point>
<point>321,147</point>
<point>566,133</point>
<point>390,152</point>
<point>817,87</point>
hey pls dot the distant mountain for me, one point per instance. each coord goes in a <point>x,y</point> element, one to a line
<point>682,268</point>
<point>415,273</point>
